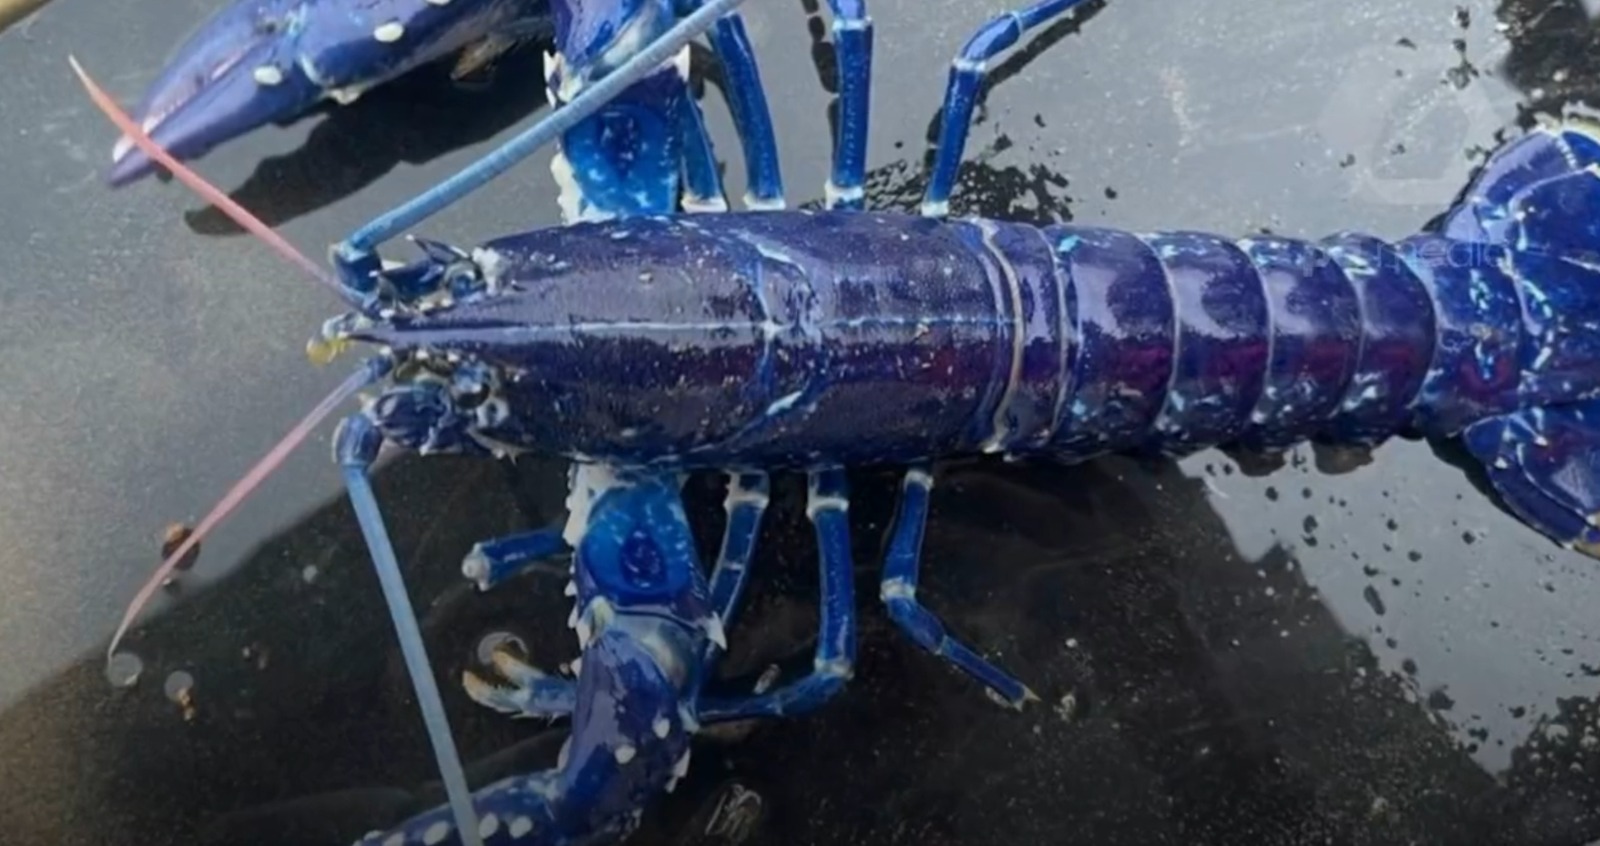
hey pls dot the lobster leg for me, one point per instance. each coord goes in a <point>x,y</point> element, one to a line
<point>852,39</point>
<point>961,94</point>
<point>702,184</point>
<point>746,503</point>
<point>493,561</point>
<point>532,692</point>
<point>828,507</point>
<point>747,100</point>
<point>899,594</point>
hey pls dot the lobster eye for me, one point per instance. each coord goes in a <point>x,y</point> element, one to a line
<point>469,387</point>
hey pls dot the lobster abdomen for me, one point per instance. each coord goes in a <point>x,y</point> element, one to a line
<point>1185,340</point>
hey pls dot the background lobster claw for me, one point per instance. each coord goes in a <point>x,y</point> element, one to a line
<point>270,61</point>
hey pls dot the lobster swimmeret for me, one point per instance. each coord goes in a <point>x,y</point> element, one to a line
<point>650,344</point>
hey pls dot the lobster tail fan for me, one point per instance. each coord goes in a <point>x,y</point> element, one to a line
<point>1545,465</point>
<point>1539,201</point>
<point>1485,212</point>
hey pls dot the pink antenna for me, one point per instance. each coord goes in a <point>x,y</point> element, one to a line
<point>237,494</point>
<point>208,192</point>
<point>275,457</point>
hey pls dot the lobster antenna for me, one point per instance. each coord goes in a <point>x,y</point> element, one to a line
<point>237,494</point>
<point>198,184</point>
<point>275,457</point>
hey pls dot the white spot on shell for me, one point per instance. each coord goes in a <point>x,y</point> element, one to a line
<point>625,753</point>
<point>490,823</point>
<point>267,75</point>
<point>662,726</point>
<point>521,826</point>
<point>396,839</point>
<point>389,33</point>
<point>436,833</point>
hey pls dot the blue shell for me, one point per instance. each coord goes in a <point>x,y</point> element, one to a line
<point>796,339</point>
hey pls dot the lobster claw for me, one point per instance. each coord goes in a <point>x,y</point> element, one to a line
<point>258,62</point>
<point>596,37</point>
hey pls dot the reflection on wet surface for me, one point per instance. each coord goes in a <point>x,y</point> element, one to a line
<point>1370,656</point>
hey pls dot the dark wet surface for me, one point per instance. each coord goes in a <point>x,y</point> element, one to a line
<point>1376,656</point>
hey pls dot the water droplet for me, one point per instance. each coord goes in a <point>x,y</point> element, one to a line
<point>123,669</point>
<point>178,686</point>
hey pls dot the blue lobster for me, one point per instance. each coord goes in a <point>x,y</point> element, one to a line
<point>643,344</point>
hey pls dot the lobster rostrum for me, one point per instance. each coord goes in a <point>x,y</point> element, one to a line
<point>652,344</point>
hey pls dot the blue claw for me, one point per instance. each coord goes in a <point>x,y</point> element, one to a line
<point>643,617</point>
<point>270,61</point>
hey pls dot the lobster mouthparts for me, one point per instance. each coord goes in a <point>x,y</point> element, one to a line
<point>270,61</point>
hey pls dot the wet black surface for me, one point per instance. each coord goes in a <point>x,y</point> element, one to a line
<point>1375,656</point>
